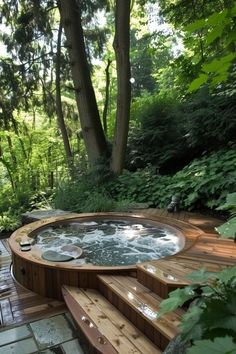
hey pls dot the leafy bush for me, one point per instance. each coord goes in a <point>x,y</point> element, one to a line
<point>156,133</point>
<point>169,134</point>
<point>86,196</point>
<point>210,120</point>
<point>210,320</point>
<point>9,221</point>
<point>204,183</point>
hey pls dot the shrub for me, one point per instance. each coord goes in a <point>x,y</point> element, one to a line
<point>204,183</point>
<point>156,133</point>
<point>9,221</point>
<point>85,196</point>
<point>169,134</point>
<point>210,120</point>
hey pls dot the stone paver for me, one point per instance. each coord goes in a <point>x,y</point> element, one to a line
<point>53,335</point>
<point>14,334</point>
<point>72,346</point>
<point>52,331</point>
<point>25,346</point>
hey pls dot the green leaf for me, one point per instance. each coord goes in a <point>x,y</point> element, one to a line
<point>216,18</point>
<point>195,25</point>
<point>212,35</point>
<point>201,276</point>
<point>176,298</point>
<point>231,37</point>
<point>230,202</point>
<point>195,84</point>
<point>220,314</point>
<point>227,274</point>
<point>232,11</point>
<point>228,229</point>
<point>219,78</point>
<point>223,345</point>
<point>190,326</point>
<point>218,64</point>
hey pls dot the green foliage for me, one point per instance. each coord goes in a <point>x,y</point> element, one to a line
<point>217,346</point>
<point>218,28</point>
<point>228,229</point>
<point>9,221</point>
<point>210,319</point>
<point>204,183</point>
<point>176,299</point>
<point>87,195</point>
<point>167,134</point>
<point>210,120</point>
<point>157,132</point>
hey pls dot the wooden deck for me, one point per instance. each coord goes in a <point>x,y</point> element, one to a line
<point>19,305</point>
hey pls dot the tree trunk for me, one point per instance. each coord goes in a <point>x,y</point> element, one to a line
<point>12,167</point>
<point>104,114</point>
<point>91,126</point>
<point>60,116</point>
<point>121,46</point>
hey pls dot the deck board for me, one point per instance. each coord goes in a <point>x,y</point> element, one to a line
<point>20,305</point>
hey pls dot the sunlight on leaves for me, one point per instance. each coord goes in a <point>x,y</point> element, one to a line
<point>195,84</point>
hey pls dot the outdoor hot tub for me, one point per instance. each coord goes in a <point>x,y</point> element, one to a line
<point>73,249</point>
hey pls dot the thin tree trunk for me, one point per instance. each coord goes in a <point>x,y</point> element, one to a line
<point>12,167</point>
<point>10,145</point>
<point>60,115</point>
<point>50,172</point>
<point>121,45</point>
<point>91,126</point>
<point>104,114</point>
<point>14,124</point>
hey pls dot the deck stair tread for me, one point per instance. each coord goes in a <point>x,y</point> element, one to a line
<point>173,271</point>
<point>144,302</point>
<point>122,336</point>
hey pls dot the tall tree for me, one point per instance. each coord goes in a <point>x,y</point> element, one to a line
<point>91,126</point>
<point>60,115</point>
<point>121,47</point>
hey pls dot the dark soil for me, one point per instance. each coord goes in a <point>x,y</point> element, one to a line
<point>5,234</point>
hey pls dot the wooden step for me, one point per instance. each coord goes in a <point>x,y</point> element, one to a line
<point>161,277</point>
<point>165,275</point>
<point>105,329</point>
<point>141,306</point>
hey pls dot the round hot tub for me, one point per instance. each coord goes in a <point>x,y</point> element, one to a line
<point>73,249</point>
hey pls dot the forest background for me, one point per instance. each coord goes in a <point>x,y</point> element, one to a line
<point>108,104</point>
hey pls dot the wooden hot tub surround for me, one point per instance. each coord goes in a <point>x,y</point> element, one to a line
<point>46,278</point>
<point>116,306</point>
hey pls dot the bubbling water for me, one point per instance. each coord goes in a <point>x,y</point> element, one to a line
<point>111,242</point>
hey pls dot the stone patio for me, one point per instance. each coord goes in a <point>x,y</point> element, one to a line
<point>55,334</point>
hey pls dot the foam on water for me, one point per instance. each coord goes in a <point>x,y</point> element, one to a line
<point>111,243</point>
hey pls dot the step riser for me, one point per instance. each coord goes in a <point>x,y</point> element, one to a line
<point>135,317</point>
<point>154,284</point>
